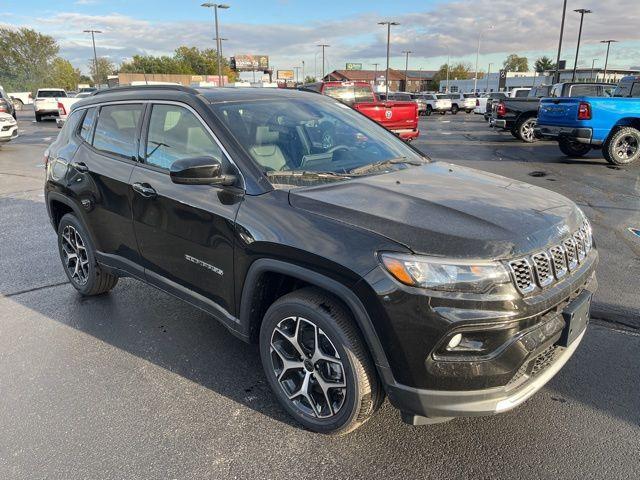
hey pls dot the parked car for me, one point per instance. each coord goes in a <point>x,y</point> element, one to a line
<point>46,102</point>
<point>20,99</point>
<point>359,267</point>
<point>8,127</point>
<point>462,101</point>
<point>483,102</point>
<point>433,104</point>
<point>580,124</point>
<point>6,104</point>
<point>64,107</point>
<point>518,115</point>
<point>400,117</point>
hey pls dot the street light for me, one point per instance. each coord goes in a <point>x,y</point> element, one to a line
<point>581,11</point>
<point>386,75</point>
<point>375,74</point>
<point>556,75</point>
<point>488,73</point>
<point>448,59</point>
<point>215,7</point>
<point>593,62</point>
<point>606,60</point>
<point>323,45</point>
<point>475,79</point>
<point>95,57</point>
<point>406,70</point>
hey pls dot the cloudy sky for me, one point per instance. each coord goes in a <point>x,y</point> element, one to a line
<point>289,30</point>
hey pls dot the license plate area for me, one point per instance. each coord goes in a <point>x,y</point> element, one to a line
<point>576,317</point>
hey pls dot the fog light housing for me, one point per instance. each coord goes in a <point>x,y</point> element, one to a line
<point>455,341</point>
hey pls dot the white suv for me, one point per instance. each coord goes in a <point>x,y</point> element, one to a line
<point>46,102</point>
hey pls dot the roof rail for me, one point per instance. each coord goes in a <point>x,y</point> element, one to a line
<point>124,88</point>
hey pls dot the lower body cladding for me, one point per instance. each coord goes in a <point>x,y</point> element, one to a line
<point>579,135</point>
<point>523,349</point>
<point>8,132</point>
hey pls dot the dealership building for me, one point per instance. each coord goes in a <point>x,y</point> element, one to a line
<point>414,81</point>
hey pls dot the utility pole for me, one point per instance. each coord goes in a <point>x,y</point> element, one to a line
<point>406,70</point>
<point>375,74</point>
<point>475,78</point>
<point>95,56</point>
<point>386,75</point>
<point>581,11</point>
<point>215,7</point>
<point>448,60</point>
<point>606,60</point>
<point>556,75</point>
<point>323,45</point>
<point>303,77</point>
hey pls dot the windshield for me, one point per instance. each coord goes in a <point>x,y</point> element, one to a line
<point>350,94</point>
<point>313,141</point>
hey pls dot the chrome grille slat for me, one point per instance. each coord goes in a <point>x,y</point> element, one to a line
<point>542,269</point>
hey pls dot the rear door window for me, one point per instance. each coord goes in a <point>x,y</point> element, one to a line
<point>585,91</point>
<point>117,128</point>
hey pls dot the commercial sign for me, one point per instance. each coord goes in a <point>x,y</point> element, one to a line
<point>250,63</point>
<point>285,75</point>
<point>502,80</point>
<point>354,66</point>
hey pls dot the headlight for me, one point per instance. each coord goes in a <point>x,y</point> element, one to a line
<point>444,274</point>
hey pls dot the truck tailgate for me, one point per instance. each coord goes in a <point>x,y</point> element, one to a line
<point>559,111</point>
<point>391,115</point>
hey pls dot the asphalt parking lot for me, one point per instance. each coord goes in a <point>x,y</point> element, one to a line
<point>136,384</point>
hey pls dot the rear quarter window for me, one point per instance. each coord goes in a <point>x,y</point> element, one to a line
<point>635,90</point>
<point>116,129</point>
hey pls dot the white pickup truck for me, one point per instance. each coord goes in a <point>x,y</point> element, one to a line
<point>65,104</point>
<point>20,99</point>
<point>46,102</point>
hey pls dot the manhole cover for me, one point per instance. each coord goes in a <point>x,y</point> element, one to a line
<point>538,173</point>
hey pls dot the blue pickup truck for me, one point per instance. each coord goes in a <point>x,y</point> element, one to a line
<point>580,124</point>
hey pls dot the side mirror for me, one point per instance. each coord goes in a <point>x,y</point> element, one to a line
<point>199,171</point>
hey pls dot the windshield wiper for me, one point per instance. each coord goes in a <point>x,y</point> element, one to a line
<point>384,163</point>
<point>306,174</point>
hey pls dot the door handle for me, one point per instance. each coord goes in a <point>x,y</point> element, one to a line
<point>80,167</point>
<point>145,190</point>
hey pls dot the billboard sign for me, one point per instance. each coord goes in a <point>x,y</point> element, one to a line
<point>248,63</point>
<point>354,66</point>
<point>285,75</point>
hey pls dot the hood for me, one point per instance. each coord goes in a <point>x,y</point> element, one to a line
<point>446,210</point>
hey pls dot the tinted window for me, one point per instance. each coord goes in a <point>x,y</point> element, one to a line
<point>522,93</point>
<point>585,91</point>
<point>70,126</point>
<point>635,90</point>
<point>87,124</point>
<point>51,93</point>
<point>175,133</point>
<point>116,129</point>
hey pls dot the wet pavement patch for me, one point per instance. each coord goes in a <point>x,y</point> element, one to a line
<point>537,173</point>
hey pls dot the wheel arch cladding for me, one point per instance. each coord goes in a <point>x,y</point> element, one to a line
<point>258,295</point>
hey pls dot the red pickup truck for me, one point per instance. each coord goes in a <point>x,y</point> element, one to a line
<point>399,117</point>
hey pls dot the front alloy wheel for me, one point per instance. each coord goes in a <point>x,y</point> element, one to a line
<point>308,367</point>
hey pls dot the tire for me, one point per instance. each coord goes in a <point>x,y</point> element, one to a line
<point>469,111</point>
<point>454,109</point>
<point>88,277</point>
<point>524,128</point>
<point>515,133</point>
<point>38,118</point>
<point>311,314</point>
<point>623,147</point>
<point>429,111</point>
<point>17,103</point>
<point>573,149</point>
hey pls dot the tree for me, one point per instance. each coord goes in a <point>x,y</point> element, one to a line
<point>309,79</point>
<point>460,71</point>
<point>543,64</point>
<point>514,63</point>
<point>25,58</point>
<point>63,75</point>
<point>105,68</point>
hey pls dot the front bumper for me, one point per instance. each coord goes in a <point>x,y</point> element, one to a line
<point>579,135</point>
<point>8,132</point>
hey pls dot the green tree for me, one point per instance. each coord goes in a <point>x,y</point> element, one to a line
<point>460,71</point>
<point>62,74</point>
<point>514,63</point>
<point>84,79</point>
<point>309,79</point>
<point>25,58</point>
<point>543,64</point>
<point>105,68</point>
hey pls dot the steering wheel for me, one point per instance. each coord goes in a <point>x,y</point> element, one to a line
<point>336,148</point>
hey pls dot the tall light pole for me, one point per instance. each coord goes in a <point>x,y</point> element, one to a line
<point>303,77</point>
<point>581,11</point>
<point>386,75</point>
<point>556,75</point>
<point>323,46</point>
<point>488,73</point>
<point>475,78</point>
<point>606,60</point>
<point>448,59</point>
<point>406,70</point>
<point>215,7</point>
<point>375,74</point>
<point>95,56</point>
<point>593,62</point>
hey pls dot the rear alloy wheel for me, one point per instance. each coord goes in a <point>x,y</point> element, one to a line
<point>573,149</point>
<point>317,364</point>
<point>525,130</point>
<point>623,147</point>
<point>78,259</point>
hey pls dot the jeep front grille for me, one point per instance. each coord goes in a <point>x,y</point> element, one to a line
<point>544,268</point>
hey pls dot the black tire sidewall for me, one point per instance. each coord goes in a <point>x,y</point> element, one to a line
<point>72,220</point>
<point>349,410</point>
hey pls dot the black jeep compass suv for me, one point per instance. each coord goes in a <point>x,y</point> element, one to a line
<point>360,267</point>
